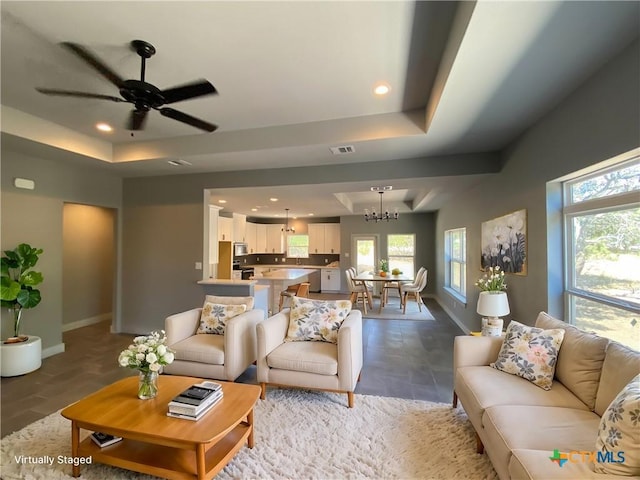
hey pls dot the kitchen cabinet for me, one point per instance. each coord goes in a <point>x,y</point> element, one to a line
<point>239,228</point>
<point>324,238</point>
<point>330,280</point>
<point>274,238</point>
<point>225,229</point>
<point>261,238</point>
<point>251,233</point>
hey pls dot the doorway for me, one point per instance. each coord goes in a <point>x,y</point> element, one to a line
<point>365,248</point>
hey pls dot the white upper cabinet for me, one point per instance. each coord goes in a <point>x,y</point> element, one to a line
<point>324,238</point>
<point>261,238</point>
<point>239,227</point>
<point>274,238</point>
<point>251,231</point>
<point>225,229</point>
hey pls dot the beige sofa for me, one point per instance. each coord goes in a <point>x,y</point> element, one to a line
<point>519,425</point>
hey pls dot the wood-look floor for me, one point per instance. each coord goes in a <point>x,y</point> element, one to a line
<point>403,358</point>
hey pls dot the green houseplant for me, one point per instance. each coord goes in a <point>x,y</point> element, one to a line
<point>17,282</point>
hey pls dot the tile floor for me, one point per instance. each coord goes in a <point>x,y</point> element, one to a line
<point>402,358</point>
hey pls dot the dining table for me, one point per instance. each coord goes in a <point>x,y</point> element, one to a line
<point>374,277</point>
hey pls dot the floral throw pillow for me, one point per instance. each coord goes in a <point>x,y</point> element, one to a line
<point>619,433</point>
<point>316,320</point>
<point>215,316</point>
<point>530,353</point>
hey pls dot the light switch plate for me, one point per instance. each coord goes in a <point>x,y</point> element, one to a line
<point>198,265</point>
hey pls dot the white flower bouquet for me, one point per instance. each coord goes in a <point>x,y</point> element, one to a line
<point>147,353</point>
<point>493,280</point>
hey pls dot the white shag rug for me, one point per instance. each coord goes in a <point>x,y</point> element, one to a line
<point>300,435</point>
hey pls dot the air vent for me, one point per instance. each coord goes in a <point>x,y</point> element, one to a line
<point>342,150</point>
<point>179,163</point>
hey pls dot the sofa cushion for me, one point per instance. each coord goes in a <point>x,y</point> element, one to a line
<point>530,353</point>
<point>215,316</point>
<point>248,301</point>
<point>507,427</point>
<point>201,348</point>
<point>528,464</point>
<point>316,320</point>
<point>620,432</point>
<point>620,365</point>
<point>580,358</point>
<point>481,387</point>
<point>311,357</point>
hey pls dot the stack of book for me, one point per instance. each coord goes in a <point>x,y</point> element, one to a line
<point>195,401</point>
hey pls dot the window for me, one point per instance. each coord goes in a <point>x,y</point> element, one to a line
<point>455,259</point>
<point>602,252</point>
<point>298,246</point>
<point>401,252</point>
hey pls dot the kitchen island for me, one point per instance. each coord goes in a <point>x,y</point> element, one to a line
<point>278,280</point>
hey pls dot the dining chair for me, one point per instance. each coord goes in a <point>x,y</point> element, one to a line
<point>297,290</point>
<point>358,290</point>
<point>416,287</point>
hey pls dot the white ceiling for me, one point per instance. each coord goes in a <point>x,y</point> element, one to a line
<point>295,78</point>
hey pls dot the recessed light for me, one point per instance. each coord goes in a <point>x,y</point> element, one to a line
<point>104,127</point>
<point>311,214</point>
<point>222,201</point>
<point>273,199</point>
<point>381,89</point>
<point>254,209</point>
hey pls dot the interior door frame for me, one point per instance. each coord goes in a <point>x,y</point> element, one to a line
<point>354,247</point>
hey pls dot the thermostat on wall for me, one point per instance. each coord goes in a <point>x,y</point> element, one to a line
<point>24,183</point>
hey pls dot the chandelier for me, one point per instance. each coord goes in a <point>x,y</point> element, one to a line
<point>382,214</point>
<point>286,228</point>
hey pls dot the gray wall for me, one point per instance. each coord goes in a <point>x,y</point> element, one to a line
<point>421,224</point>
<point>36,217</point>
<point>600,120</point>
<point>89,264</point>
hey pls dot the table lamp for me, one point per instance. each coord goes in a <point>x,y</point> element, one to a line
<point>492,305</point>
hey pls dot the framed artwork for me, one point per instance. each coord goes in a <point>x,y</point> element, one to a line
<point>504,243</point>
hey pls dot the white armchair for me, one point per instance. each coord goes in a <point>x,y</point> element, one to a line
<point>222,357</point>
<point>312,365</point>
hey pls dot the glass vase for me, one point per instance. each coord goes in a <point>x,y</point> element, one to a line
<point>147,385</point>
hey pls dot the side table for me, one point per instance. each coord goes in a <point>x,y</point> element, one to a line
<point>20,358</point>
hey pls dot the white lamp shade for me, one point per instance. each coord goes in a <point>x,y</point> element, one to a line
<point>493,304</point>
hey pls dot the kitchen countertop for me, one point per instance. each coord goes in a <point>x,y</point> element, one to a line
<point>282,274</point>
<point>223,281</point>
<point>280,265</point>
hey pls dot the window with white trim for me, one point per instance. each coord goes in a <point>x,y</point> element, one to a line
<point>401,251</point>
<point>298,246</point>
<point>602,252</point>
<point>455,261</point>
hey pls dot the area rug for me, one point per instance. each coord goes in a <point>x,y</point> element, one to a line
<point>393,311</point>
<point>300,435</point>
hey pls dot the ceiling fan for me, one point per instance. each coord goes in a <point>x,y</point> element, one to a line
<point>144,96</point>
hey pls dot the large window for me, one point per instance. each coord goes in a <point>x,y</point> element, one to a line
<point>298,246</point>
<point>401,251</point>
<point>455,259</point>
<point>602,251</point>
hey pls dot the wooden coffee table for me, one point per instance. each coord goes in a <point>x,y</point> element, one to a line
<point>156,444</point>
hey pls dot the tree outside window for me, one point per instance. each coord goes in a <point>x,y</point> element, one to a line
<point>401,252</point>
<point>602,225</point>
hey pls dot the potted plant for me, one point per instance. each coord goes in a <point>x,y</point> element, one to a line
<point>384,268</point>
<point>17,282</point>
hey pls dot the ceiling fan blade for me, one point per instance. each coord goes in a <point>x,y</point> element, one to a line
<point>137,119</point>
<point>95,62</point>
<point>188,119</point>
<point>74,93</point>
<point>185,92</point>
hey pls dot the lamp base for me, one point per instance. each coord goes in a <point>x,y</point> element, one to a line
<point>492,327</point>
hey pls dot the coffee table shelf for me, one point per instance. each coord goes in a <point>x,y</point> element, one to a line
<point>167,462</point>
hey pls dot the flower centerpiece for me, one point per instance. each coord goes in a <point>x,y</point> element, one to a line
<point>147,354</point>
<point>384,267</point>
<point>492,301</point>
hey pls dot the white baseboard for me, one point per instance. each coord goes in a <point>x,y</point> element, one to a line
<point>464,328</point>
<point>51,351</point>
<point>86,322</point>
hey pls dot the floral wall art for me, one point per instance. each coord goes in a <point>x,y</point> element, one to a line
<point>504,243</point>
